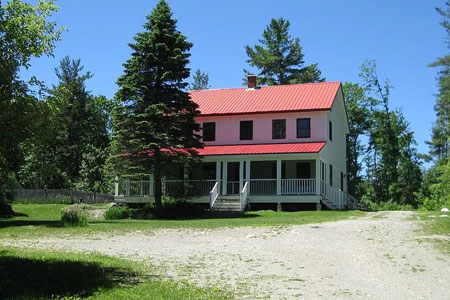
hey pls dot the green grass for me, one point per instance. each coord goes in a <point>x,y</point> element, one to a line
<point>435,225</point>
<point>27,274</point>
<point>45,219</point>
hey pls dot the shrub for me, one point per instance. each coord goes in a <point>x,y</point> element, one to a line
<point>117,212</point>
<point>170,210</point>
<point>74,215</point>
<point>6,210</point>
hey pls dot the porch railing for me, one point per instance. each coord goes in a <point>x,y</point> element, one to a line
<point>143,188</point>
<point>233,188</point>
<point>298,186</point>
<point>263,186</point>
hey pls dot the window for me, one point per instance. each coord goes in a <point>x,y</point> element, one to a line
<point>278,129</point>
<point>330,130</point>
<point>342,181</point>
<point>304,128</point>
<point>331,175</point>
<point>246,132</point>
<point>209,132</point>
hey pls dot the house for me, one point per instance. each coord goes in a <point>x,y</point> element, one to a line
<point>280,144</point>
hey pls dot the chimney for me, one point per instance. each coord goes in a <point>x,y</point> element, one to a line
<point>251,81</point>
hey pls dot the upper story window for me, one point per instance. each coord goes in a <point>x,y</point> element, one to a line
<point>209,132</point>
<point>330,130</point>
<point>278,129</point>
<point>246,130</point>
<point>304,128</point>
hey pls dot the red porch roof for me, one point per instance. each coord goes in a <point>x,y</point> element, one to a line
<point>277,98</point>
<point>261,149</point>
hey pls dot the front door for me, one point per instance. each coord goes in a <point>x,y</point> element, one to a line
<point>233,178</point>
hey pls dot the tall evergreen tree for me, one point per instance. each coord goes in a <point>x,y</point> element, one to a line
<point>279,57</point>
<point>440,141</point>
<point>201,81</point>
<point>155,121</point>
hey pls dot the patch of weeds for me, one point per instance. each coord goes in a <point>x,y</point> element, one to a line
<point>417,268</point>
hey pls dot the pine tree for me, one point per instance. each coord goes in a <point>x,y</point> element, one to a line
<point>279,57</point>
<point>155,121</point>
<point>201,81</point>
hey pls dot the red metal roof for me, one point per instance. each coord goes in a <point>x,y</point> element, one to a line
<point>261,149</point>
<point>277,98</point>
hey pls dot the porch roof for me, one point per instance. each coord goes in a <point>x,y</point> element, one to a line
<point>261,149</point>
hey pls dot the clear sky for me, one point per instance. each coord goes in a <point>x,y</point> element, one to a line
<point>403,36</point>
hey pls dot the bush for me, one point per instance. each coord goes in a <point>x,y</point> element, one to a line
<point>388,205</point>
<point>75,215</point>
<point>6,210</point>
<point>117,212</point>
<point>175,210</point>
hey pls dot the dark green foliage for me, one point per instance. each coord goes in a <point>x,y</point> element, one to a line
<point>24,33</point>
<point>201,81</point>
<point>117,213</point>
<point>358,114</point>
<point>170,210</point>
<point>155,118</point>
<point>279,57</point>
<point>74,215</point>
<point>70,149</point>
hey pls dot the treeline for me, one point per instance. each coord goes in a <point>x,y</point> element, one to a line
<point>66,137</point>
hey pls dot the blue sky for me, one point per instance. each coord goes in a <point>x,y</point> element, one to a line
<point>403,36</point>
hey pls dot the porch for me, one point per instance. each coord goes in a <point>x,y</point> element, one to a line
<point>269,179</point>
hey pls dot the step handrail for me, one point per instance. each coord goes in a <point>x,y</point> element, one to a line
<point>213,195</point>
<point>243,195</point>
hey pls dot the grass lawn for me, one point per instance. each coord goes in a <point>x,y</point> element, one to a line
<point>439,227</point>
<point>26,274</point>
<point>45,219</point>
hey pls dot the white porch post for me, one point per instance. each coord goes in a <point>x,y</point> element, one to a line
<point>224,176</point>
<point>247,175</point>
<point>151,186</point>
<point>116,186</point>
<point>128,186</point>
<point>241,175</point>
<point>218,177</point>
<point>278,176</point>
<point>318,178</point>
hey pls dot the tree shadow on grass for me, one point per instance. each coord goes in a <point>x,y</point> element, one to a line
<point>19,223</point>
<point>34,279</point>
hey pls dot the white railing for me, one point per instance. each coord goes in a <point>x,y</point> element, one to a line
<point>143,188</point>
<point>298,186</point>
<point>243,195</point>
<point>213,195</point>
<point>233,187</point>
<point>263,186</point>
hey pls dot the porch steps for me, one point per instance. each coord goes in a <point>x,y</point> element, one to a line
<point>227,204</point>
<point>330,204</point>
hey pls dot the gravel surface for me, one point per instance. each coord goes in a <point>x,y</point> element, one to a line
<point>374,257</point>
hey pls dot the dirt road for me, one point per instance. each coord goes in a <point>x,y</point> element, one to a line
<point>374,257</point>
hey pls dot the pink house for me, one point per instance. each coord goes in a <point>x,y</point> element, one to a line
<point>282,145</point>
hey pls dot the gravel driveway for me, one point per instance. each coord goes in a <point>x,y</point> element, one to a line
<point>374,257</point>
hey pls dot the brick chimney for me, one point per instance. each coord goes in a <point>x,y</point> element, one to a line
<point>251,81</point>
